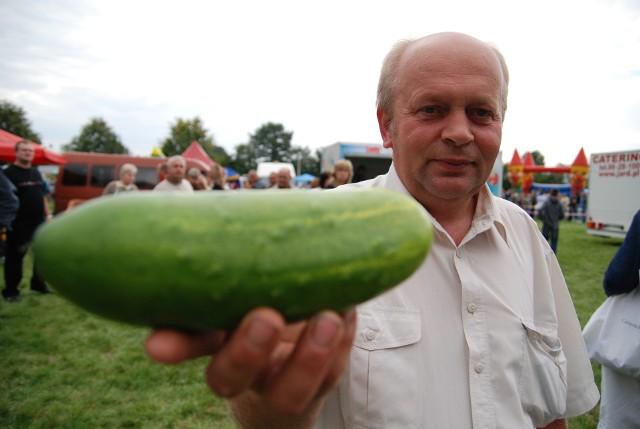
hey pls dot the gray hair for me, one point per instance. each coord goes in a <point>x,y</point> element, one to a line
<point>128,168</point>
<point>177,158</point>
<point>193,172</point>
<point>389,76</point>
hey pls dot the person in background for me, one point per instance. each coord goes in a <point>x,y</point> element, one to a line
<point>126,183</point>
<point>198,181</point>
<point>253,181</point>
<point>326,180</point>
<point>9,204</point>
<point>482,335</point>
<point>342,172</point>
<point>573,207</point>
<point>217,174</point>
<point>175,181</point>
<point>551,213</point>
<point>283,179</point>
<point>32,212</point>
<point>620,404</point>
<point>162,170</point>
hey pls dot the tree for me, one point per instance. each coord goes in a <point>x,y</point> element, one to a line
<point>184,132</point>
<point>97,136</point>
<point>270,143</point>
<point>506,183</point>
<point>307,162</point>
<point>14,120</point>
<point>538,158</point>
<point>244,159</point>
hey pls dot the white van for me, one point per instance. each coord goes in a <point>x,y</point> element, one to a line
<point>614,197</point>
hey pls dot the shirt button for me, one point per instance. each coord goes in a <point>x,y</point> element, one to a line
<point>370,335</point>
<point>471,308</point>
<point>479,368</point>
<point>459,252</point>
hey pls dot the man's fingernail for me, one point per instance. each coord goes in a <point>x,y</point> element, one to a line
<point>260,333</point>
<point>324,331</point>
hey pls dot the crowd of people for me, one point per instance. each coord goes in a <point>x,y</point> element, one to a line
<point>574,206</point>
<point>174,176</point>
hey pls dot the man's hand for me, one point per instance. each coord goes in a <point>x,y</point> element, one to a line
<point>272,369</point>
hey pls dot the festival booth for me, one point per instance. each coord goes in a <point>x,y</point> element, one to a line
<point>196,152</point>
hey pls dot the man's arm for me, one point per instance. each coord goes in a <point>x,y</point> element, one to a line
<point>47,212</point>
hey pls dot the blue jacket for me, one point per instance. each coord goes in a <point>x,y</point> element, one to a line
<point>622,274</point>
<point>8,201</point>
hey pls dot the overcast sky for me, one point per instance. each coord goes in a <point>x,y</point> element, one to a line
<point>311,66</point>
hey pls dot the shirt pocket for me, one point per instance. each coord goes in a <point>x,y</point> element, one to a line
<point>543,384</point>
<point>382,387</point>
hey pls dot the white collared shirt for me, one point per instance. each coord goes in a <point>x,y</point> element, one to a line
<point>482,335</point>
<point>165,185</point>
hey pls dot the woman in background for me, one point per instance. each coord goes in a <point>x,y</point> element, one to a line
<point>126,183</point>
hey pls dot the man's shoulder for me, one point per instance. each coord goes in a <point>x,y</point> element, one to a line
<point>161,185</point>
<point>509,211</point>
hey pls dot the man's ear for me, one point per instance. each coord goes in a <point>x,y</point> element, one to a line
<point>384,123</point>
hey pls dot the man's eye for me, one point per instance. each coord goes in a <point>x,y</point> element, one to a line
<point>430,109</point>
<point>482,113</point>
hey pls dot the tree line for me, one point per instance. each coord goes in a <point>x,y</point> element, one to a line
<point>269,142</point>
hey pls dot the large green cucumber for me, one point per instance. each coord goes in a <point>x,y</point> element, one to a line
<point>203,260</point>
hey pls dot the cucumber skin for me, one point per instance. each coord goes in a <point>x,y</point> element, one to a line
<point>202,261</point>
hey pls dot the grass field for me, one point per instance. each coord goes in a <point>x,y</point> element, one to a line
<point>63,368</point>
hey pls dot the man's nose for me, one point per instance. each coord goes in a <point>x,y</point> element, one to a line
<point>457,129</point>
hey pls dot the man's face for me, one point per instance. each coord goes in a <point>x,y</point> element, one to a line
<point>176,172</point>
<point>25,153</point>
<point>284,179</point>
<point>447,122</point>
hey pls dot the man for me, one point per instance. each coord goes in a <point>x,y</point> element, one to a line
<point>283,179</point>
<point>484,334</point>
<point>175,181</point>
<point>33,210</point>
<point>551,213</point>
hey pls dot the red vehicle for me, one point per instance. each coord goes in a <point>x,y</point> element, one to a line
<point>85,175</point>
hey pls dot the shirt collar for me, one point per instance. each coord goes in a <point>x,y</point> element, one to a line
<point>486,215</point>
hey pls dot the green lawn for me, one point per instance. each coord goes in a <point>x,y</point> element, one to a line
<point>63,368</point>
